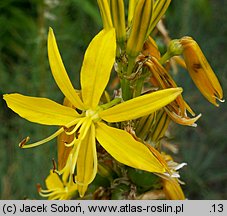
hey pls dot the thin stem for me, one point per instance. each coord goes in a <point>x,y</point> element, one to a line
<point>139,86</point>
<point>165,58</point>
<point>111,103</point>
<point>125,83</point>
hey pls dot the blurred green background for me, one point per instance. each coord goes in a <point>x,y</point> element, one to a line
<point>24,68</point>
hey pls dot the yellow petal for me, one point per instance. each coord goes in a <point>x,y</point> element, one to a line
<point>98,62</point>
<point>53,181</point>
<point>60,74</point>
<point>172,189</point>
<point>125,149</point>
<point>40,110</point>
<point>86,162</point>
<point>140,106</point>
<point>183,120</point>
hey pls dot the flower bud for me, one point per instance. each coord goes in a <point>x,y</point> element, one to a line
<point>105,13</point>
<point>140,26</point>
<point>174,49</point>
<point>160,8</point>
<point>118,17</point>
<point>131,9</point>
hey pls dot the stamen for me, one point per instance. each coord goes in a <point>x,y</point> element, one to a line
<point>23,142</point>
<point>38,188</point>
<point>75,121</point>
<point>54,165</point>
<point>84,128</point>
<point>94,154</point>
<point>74,160</point>
<point>221,100</point>
<point>71,143</point>
<point>67,165</point>
<point>179,166</point>
<point>55,193</point>
<point>80,122</point>
<point>74,178</point>
<point>57,172</point>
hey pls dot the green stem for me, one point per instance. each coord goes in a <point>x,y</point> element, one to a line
<point>125,83</point>
<point>111,103</point>
<point>139,86</point>
<point>165,58</point>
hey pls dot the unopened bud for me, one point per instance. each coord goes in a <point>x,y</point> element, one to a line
<point>160,8</point>
<point>140,27</point>
<point>174,49</point>
<point>118,17</point>
<point>105,13</point>
<point>131,9</point>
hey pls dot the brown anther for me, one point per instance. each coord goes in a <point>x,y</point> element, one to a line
<point>38,188</point>
<point>65,128</point>
<point>74,178</point>
<point>23,142</point>
<point>77,134</point>
<point>54,165</point>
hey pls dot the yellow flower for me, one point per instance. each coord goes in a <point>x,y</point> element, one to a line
<point>58,189</point>
<point>200,71</point>
<point>89,125</point>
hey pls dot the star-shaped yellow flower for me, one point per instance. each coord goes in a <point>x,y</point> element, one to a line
<point>89,124</point>
<point>58,189</point>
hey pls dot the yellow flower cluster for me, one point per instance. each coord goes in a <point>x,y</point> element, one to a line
<point>85,120</point>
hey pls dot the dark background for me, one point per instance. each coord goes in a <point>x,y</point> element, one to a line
<point>24,68</point>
